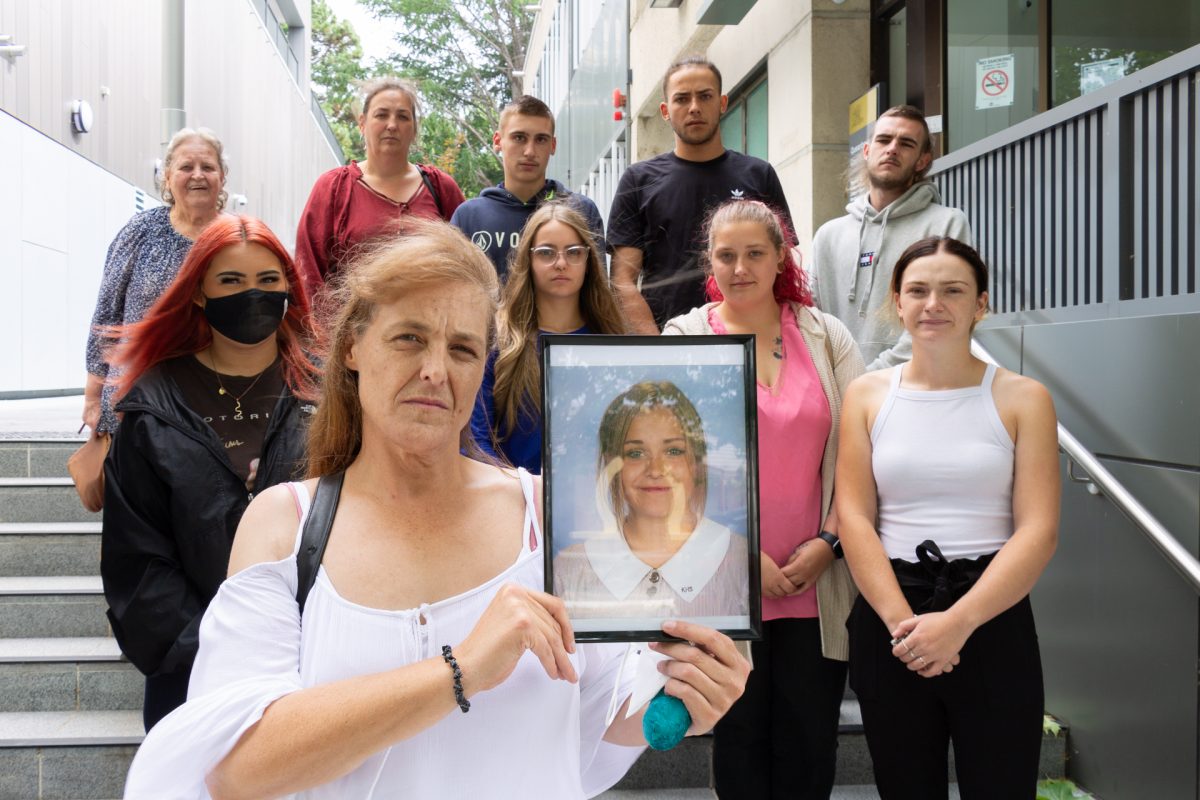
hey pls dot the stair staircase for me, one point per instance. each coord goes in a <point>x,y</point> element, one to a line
<point>70,705</point>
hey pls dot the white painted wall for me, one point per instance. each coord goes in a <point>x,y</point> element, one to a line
<point>63,195</point>
<point>58,214</point>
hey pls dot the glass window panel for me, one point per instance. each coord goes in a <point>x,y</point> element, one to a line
<point>991,67</point>
<point>756,122</point>
<point>733,127</point>
<point>1095,42</point>
<point>898,58</point>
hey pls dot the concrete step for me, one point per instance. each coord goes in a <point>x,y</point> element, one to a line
<point>839,793</point>
<point>29,549</point>
<point>688,766</point>
<point>67,675</point>
<point>36,458</point>
<point>75,755</point>
<point>42,607</point>
<point>41,500</point>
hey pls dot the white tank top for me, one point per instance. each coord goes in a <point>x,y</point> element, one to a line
<point>943,465</point>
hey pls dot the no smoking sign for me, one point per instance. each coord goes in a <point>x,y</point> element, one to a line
<point>993,82</point>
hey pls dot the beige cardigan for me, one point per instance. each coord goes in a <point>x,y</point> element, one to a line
<point>838,361</point>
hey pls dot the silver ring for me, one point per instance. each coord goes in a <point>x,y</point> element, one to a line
<point>906,647</point>
<point>924,663</point>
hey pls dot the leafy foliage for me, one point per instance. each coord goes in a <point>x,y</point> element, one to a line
<point>463,54</point>
<point>1051,726</point>
<point>337,67</point>
<point>1060,789</point>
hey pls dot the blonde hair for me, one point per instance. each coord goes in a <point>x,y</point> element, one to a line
<point>642,398</point>
<point>518,374</point>
<point>428,253</point>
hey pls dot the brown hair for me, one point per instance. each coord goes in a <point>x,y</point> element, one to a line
<point>913,113</point>
<point>931,245</point>
<point>632,403</point>
<point>518,374</point>
<point>527,106</point>
<point>688,62</point>
<point>392,84</point>
<point>430,253</point>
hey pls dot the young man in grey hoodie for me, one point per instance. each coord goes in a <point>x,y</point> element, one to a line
<point>853,255</point>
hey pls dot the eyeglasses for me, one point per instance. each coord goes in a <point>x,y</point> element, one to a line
<point>574,255</point>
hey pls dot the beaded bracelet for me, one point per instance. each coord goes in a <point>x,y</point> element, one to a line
<point>459,697</point>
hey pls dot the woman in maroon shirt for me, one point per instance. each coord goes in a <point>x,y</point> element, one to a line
<point>359,202</point>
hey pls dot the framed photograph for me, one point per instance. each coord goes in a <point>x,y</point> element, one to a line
<point>650,468</point>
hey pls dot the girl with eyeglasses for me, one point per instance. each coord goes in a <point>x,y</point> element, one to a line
<point>556,284</point>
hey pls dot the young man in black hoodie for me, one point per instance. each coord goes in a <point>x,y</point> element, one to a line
<point>525,143</point>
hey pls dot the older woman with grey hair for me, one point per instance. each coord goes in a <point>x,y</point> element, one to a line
<point>146,254</point>
<point>357,203</point>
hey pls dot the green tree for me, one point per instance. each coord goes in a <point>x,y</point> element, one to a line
<point>464,56</point>
<point>337,70</point>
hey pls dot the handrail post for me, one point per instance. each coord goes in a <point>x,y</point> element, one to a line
<point>1175,553</point>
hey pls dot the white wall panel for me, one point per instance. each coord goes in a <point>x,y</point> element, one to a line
<point>44,340</point>
<point>55,227</point>
<point>43,186</point>
<point>69,193</point>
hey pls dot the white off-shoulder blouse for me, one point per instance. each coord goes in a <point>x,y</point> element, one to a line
<point>529,737</point>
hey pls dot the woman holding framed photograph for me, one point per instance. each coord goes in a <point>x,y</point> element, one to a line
<point>780,738</point>
<point>661,557</point>
<point>425,661</point>
<point>947,546</point>
<point>556,284</point>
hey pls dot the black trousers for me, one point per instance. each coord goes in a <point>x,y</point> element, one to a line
<point>164,693</point>
<point>780,738</point>
<point>990,707</point>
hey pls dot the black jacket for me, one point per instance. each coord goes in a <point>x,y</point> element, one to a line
<point>172,503</point>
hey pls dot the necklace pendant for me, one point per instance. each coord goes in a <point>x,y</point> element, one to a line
<point>237,416</point>
<point>222,391</point>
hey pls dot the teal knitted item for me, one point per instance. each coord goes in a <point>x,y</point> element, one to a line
<point>665,722</point>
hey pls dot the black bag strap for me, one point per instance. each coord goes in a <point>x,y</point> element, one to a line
<point>316,534</point>
<point>437,200</point>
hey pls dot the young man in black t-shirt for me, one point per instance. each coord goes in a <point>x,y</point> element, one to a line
<point>659,209</point>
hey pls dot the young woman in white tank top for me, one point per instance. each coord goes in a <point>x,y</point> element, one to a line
<point>948,496</point>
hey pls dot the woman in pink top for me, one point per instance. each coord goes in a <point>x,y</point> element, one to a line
<point>780,739</point>
<point>359,202</point>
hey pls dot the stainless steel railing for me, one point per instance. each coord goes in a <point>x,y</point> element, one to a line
<point>1101,481</point>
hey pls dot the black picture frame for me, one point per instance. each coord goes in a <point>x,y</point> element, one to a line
<point>590,382</point>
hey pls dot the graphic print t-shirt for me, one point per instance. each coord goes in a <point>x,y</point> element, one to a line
<point>241,433</point>
<point>660,207</point>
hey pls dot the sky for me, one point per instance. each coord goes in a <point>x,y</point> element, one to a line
<point>376,36</point>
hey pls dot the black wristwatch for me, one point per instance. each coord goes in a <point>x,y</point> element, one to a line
<point>833,541</point>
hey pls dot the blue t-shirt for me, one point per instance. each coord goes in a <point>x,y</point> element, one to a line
<point>522,446</point>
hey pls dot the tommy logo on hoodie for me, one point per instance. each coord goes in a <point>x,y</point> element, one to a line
<point>866,259</point>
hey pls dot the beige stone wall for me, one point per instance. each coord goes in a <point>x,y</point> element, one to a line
<point>817,55</point>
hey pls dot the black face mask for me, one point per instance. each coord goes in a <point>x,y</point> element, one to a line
<point>248,317</point>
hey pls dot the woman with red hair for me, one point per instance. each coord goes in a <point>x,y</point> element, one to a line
<point>780,738</point>
<point>210,388</point>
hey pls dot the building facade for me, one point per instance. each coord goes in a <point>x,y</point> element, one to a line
<point>132,72</point>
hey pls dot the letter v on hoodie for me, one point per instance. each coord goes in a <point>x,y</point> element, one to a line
<point>494,220</point>
<point>852,261</point>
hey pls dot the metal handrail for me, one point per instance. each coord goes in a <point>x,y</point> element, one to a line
<point>1175,553</point>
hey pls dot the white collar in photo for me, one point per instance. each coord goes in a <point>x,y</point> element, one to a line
<point>686,572</point>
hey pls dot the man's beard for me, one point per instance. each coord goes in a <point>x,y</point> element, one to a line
<point>890,184</point>
<point>697,136</point>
